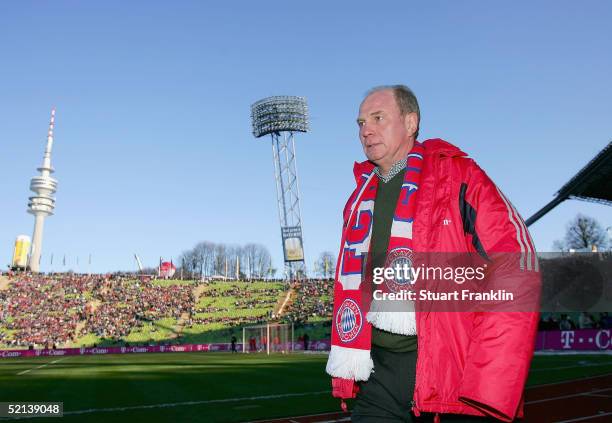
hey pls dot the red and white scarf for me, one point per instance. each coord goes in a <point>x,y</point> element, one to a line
<point>354,312</point>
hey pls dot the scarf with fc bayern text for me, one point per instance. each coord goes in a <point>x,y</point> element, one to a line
<point>354,312</point>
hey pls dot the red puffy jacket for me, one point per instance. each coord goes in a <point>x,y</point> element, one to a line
<point>468,363</point>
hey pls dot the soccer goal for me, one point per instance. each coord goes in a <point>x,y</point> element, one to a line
<point>268,338</point>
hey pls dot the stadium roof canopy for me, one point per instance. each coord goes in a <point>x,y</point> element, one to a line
<point>592,183</point>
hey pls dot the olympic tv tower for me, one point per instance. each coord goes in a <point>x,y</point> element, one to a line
<point>42,203</point>
<point>280,117</point>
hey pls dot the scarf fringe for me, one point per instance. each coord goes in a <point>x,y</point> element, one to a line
<point>400,322</point>
<point>349,363</point>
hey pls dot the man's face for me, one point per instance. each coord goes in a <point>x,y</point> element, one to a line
<point>386,136</point>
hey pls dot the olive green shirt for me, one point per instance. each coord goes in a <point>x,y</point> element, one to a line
<point>384,207</point>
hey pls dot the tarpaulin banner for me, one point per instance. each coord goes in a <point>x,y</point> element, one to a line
<point>575,340</point>
<point>119,350</point>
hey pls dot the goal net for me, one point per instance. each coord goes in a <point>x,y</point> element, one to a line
<point>268,338</point>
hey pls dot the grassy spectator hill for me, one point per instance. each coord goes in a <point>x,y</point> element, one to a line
<point>69,310</point>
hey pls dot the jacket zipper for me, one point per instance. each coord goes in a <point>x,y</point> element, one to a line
<point>413,403</point>
<point>415,408</point>
<point>435,191</point>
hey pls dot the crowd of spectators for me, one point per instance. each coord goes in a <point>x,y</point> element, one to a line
<point>584,321</point>
<point>48,310</point>
<point>313,299</point>
<point>126,304</point>
<point>43,309</point>
<point>259,304</point>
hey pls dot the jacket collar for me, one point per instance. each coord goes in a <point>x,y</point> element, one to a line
<point>433,147</point>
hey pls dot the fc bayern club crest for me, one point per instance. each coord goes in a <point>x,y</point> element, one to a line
<point>348,320</point>
<point>400,260</point>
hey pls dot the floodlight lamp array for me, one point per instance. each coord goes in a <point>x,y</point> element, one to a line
<point>279,113</point>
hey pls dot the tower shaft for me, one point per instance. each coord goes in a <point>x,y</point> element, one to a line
<point>288,201</point>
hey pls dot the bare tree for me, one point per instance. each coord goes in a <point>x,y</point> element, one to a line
<point>583,232</point>
<point>263,262</point>
<point>248,259</point>
<point>204,251</point>
<point>189,260</point>
<point>325,265</point>
<point>232,254</point>
<point>220,259</point>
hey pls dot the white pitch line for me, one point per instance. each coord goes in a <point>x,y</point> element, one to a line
<point>296,417</point>
<point>580,394</point>
<point>572,367</point>
<point>568,381</point>
<point>40,367</point>
<point>178,404</point>
<point>598,395</point>
<point>246,407</point>
<point>579,419</point>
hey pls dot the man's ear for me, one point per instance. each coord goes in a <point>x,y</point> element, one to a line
<point>411,123</point>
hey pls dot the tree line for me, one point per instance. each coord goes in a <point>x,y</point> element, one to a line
<point>210,259</point>
<point>250,261</point>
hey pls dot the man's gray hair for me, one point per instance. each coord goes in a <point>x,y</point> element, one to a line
<point>405,99</point>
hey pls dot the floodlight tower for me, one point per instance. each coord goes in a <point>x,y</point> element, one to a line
<point>42,203</point>
<point>281,117</point>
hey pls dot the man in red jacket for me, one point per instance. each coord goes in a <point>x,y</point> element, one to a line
<point>403,360</point>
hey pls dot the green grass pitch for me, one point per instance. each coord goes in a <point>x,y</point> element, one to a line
<point>206,387</point>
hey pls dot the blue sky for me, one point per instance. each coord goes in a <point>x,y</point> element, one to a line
<point>153,148</point>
